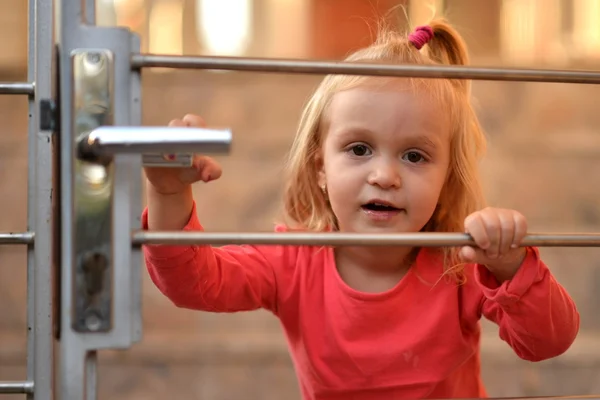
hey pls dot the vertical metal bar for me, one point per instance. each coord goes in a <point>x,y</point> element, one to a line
<point>90,12</point>
<point>69,15</point>
<point>31,185</point>
<point>40,344</point>
<point>91,387</point>
<point>135,201</point>
<point>71,368</point>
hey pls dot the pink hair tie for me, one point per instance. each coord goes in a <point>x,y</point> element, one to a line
<point>421,36</point>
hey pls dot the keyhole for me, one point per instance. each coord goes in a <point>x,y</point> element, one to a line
<point>94,266</point>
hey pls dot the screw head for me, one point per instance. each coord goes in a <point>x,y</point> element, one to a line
<point>93,321</point>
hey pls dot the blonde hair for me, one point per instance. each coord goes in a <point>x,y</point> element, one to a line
<point>305,205</point>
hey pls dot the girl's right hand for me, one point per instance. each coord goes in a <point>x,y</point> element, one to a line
<point>170,181</point>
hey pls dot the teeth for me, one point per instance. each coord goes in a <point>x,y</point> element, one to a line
<point>379,206</point>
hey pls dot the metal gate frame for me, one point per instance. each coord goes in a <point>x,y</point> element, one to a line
<point>84,140</point>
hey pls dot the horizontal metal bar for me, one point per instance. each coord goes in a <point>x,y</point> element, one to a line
<point>110,140</point>
<point>424,239</point>
<point>290,66</point>
<point>16,387</point>
<point>576,397</point>
<point>17,238</point>
<point>16,88</point>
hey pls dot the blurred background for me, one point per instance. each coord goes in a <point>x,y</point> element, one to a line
<point>542,160</point>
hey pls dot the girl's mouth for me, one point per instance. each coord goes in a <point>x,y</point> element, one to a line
<point>380,211</point>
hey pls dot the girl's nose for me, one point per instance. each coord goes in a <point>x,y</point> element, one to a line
<point>385,175</point>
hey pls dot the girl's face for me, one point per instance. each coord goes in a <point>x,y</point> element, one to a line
<point>384,159</point>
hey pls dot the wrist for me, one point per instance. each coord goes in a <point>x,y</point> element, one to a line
<point>506,268</point>
<point>169,211</point>
<point>154,191</point>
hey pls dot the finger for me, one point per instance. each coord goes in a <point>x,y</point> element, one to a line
<point>474,255</point>
<point>203,168</point>
<point>207,167</point>
<point>475,227</point>
<point>176,122</point>
<point>520,229</point>
<point>507,231</point>
<point>491,224</point>
<point>468,254</point>
<point>192,120</point>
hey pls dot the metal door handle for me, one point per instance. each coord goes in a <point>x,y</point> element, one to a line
<point>102,143</point>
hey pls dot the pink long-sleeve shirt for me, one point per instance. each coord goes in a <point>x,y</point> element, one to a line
<point>418,340</point>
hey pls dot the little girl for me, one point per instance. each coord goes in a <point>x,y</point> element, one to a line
<point>376,155</point>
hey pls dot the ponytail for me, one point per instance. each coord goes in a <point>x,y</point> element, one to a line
<point>444,45</point>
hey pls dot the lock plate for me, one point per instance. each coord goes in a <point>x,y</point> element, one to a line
<point>93,195</point>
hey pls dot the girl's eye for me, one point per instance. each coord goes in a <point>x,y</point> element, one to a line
<point>359,150</point>
<point>414,157</point>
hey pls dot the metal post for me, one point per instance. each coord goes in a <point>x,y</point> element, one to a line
<point>40,343</point>
<point>98,292</point>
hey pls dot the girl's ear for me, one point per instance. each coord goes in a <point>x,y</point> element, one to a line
<point>320,166</point>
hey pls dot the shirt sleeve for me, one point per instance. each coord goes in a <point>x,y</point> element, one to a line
<point>218,279</point>
<point>535,314</point>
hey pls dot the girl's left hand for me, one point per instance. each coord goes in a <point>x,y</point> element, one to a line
<point>498,234</point>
